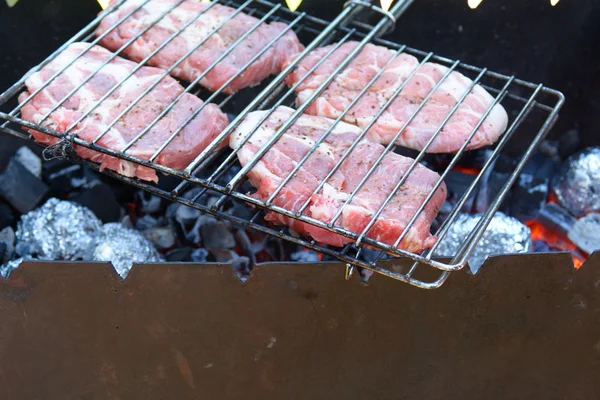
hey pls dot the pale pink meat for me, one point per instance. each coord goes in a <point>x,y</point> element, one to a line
<point>188,143</point>
<point>370,60</point>
<point>280,160</point>
<point>207,53</point>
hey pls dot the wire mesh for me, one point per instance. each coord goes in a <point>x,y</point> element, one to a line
<point>532,110</point>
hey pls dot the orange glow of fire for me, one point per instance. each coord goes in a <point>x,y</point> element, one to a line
<point>467,170</point>
<point>553,239</point>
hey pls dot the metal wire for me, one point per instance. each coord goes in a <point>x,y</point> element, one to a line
<point>224,180</point>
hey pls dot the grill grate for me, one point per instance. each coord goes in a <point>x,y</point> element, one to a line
<point>532,110</point>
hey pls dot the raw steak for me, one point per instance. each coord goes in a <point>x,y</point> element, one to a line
<point>178,154</point>
<point>268,63</point>
<point>280,160</point>
<point>347,85</point>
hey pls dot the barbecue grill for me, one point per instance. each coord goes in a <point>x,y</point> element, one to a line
<point>218,171</point>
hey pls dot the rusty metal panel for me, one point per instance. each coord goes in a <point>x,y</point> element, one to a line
<point>527,327</point>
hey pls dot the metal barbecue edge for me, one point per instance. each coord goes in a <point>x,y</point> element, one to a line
<point>343,23</point>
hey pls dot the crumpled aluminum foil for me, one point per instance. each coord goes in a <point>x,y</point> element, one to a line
<point>6,269</point>
<point>577,184</point>
<point>123,247</point>
<point>59,230</point>
<point>504,235</point>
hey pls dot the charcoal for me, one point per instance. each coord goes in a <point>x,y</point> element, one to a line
<point>540,246</point>
<point>187,215</point>
<point>217,236</point>
<point>556,218</point>
<point>549,148</point>
<point>242,267</point>
<point>248,248</point>
<point>223,255</point>
<point>162,237</point>
<point>306,256</point>
<point>21,188</point>
<point>100,199</point>
<point>180,254</point>
<point>211,200</point>
<point>7,216</point>
<point>585,233</point>
<point>242,211</point>
<point>168,182</point>
<point>194,234</point>
<point>369,255</point>
<point>568,143</point>
<point>59,174</point>
<point>87,180</point>
<point>488,189</point>
<point>149,203</point>
<point>577,184</point>
<point>126,222</point>
<point>4,257</point>
<point>365,274</point>
<point>531,192</point>
<point>199,255</point>
<point>457,183</point>
<point>29,160</point>
<point>7,239</point>
<point>146,222</point>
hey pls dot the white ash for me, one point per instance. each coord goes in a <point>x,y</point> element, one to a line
<point>217,235</point>
<point>187,215</point>
<point>306,256</point>
<point>149,203</point>
<point>29,160</point>
<point>199,255</point>
<point>504,235</point>
<point>163,237</point>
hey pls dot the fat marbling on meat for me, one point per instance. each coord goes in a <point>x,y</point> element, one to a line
<point>188,143</point>
<point>288,150</point>
<point>346,86</point>
<point>207,53</point>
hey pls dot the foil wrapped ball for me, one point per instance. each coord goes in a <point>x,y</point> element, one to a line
<point>123,247</point>
<point>504,235</point>
<point>58,230</point>
<point>577,184</point>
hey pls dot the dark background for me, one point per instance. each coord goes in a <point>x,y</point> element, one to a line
<point>558,46</point>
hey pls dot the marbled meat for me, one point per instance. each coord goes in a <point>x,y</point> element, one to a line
<point>208,52</point>
<point>295,143</point>
<point>371,59</point>
<point>188,143</point>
